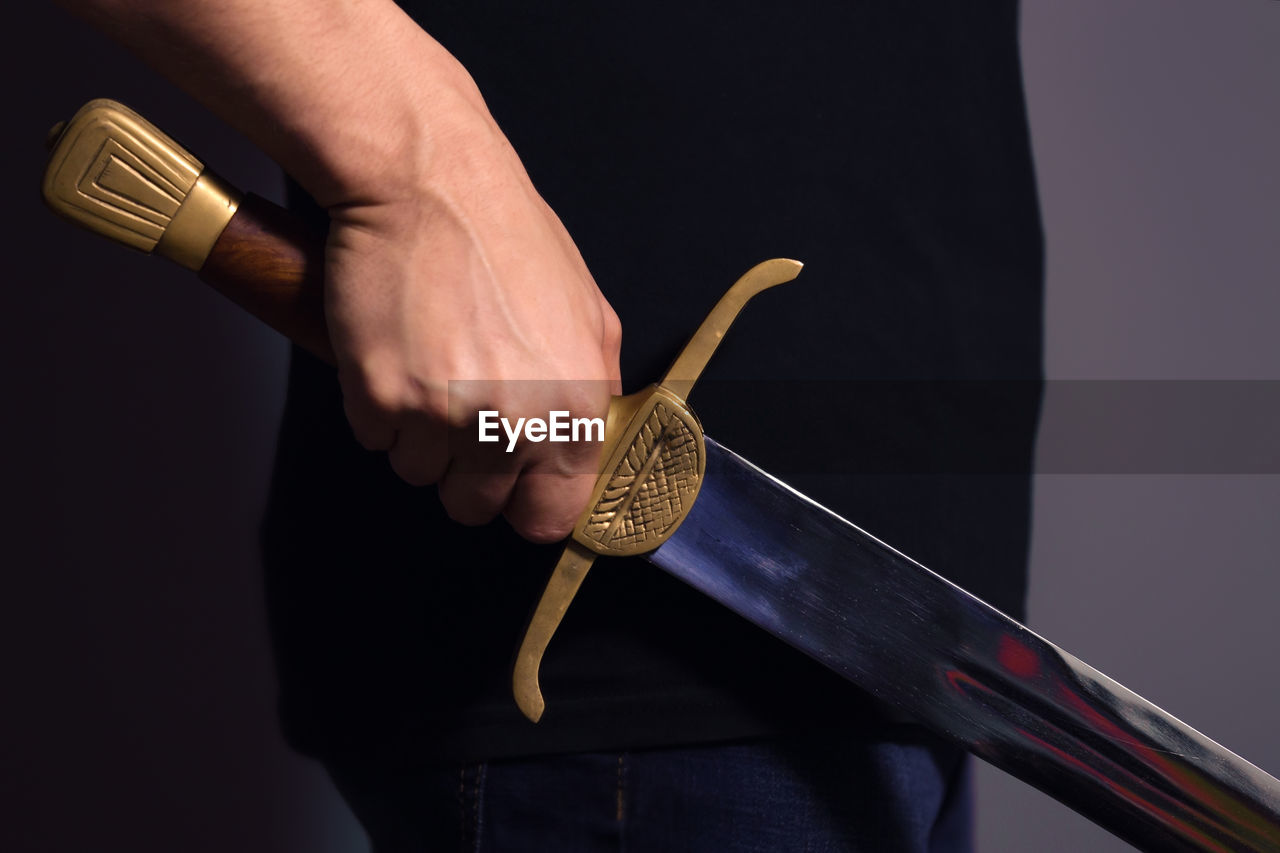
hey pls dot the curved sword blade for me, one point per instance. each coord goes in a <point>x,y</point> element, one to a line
<point>957,665</point>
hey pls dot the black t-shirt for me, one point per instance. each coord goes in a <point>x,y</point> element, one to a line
<point>883,144</point>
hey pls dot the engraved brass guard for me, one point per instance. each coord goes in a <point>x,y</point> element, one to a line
<point>653,463</point>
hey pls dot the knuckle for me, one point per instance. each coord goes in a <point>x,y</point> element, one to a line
<point>369,439</point>
<point>365,389</point>
<point>473,499</point>
<point>542,532</point>
<point>426,397</point>
<point>582,397</point>
<point>462,407</point>
<point>409,469</point>
<point>468,515</point>
<point>541,516</point>
<point>384,393</point>
<point>371,431</point>
<point>390,393</point>
<point>612,328</point>
<point>370,402</point>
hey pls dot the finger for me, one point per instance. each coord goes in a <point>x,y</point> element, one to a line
<point>544,506</point>
<point>371,427</point>
<point>372,418</point>
<point>475,498</point>
<point>611,347</point>
<point>420,454</point>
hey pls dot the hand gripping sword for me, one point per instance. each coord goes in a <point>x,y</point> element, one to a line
<point>899,631</point>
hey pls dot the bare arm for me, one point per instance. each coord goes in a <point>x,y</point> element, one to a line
<point>443,263</point>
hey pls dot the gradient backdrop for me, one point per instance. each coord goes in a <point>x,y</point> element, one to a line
<point>139,412</point>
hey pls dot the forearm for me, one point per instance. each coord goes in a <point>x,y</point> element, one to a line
<point>350,96</point>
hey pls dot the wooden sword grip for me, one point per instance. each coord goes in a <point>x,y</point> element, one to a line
<point>270,262</point>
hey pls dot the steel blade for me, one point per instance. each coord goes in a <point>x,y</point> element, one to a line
<point>923,645</point>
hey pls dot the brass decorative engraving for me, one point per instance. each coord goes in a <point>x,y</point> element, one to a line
<point>652,485</point>
<point>653,465</point>
<point>113,172</point>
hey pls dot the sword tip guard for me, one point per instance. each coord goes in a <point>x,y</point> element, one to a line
<point>528,694</point>
<point>574,563</point>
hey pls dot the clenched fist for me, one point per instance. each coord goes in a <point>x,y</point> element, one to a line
<point>467,276</point>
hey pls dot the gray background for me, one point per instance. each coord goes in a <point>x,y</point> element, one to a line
<point>138,711</point>
<point>1156,136</point>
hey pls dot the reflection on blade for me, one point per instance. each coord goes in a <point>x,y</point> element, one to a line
<point>962,668</point>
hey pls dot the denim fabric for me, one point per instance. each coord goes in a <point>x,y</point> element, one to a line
<point>815,795</point>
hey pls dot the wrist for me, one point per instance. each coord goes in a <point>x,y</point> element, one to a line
<point>349,96</point>
<point>403,116</point>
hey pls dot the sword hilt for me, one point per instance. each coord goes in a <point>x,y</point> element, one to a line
<point>116,174</point>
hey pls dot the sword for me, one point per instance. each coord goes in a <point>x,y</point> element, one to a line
<point>904,634</point>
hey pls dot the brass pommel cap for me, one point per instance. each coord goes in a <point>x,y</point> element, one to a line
<point>115,173</point>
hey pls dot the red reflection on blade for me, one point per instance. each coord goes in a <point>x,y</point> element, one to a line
<point>1017,658</point>
<point>1138,793</point>
<point>1185,779</point>
<point>1144,803</point>
<point>1221,812</point>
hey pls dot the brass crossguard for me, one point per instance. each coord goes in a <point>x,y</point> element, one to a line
<point>653,464</point>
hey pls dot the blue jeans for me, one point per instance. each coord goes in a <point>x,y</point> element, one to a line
<point>770,796</point>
